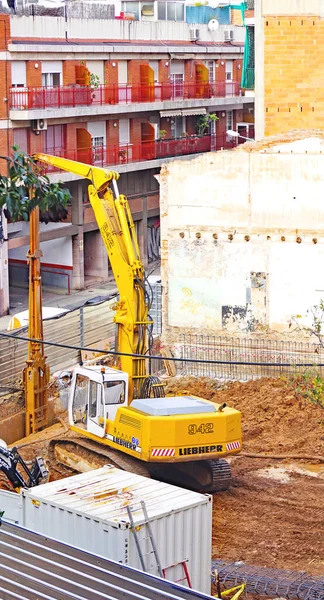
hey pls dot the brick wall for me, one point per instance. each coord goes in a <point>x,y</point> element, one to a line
<point>36,142</point>
<point>134,70</point>
<point>111,73</point>
<point>33,76</point>
<point>135,131</point>
<point>4,31</point>
<point>6,141</point>
<point>221,124</point>
<point>164,68</point>
<point>5,84</point>
<point>294,94</point>
<point>112,133</point>
<point>220,70</point>
<point>237,70</point>
<point>69,71</point>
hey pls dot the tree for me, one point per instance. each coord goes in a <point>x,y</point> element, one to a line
<point>26,187</point>
<point>204,121</point>
<point>315,315</point>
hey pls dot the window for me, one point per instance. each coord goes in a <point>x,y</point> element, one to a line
<point>179,11</point>
<point>18,73</point>
<point>229,120</point>
<point>177,127</point>
<point>51,73</point>
<point>114,392</point>
<point>54,140</point>
<point>162,11</point>
<point>20,137</point>
<point>147,10</point>
<point>93,396</point>
<point>97,142</point>
<point>51,79</point>
<point>171,11</point>
<point>177,84</point>
<point>211,70</point>
<point>229,70</point>
<point>132,7</point>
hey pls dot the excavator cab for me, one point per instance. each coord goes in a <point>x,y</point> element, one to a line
<point>96,394</point>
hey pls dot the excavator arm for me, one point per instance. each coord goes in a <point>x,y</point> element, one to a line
<point>117,229</point>
<point>16,469</point>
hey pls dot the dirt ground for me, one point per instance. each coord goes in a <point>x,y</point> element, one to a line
<point>273,515</point>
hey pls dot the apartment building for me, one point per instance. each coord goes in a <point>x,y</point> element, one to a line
<point>127,87</point>
<point>288,47</point>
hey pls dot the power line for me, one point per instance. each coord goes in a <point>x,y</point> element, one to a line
<point>150,357</point>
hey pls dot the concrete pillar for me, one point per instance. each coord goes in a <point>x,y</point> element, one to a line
<point>95,257</point>
<point>77,191</point>
<point>259,72</point>
<point>4,271</point>
<point>78,261</point>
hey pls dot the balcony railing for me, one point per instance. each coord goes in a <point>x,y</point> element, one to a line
<point>131,153</point>
<point>71,96</point>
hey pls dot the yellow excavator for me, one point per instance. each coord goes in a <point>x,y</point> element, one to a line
<point>179,439</point>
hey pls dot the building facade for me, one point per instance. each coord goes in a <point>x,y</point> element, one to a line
<point>288,50</point>
<point>244,255</point>
<point>128,87</point>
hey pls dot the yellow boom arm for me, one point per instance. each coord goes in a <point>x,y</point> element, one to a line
<point>117,229</point>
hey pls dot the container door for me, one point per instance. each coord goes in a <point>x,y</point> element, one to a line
<point>96,408</point>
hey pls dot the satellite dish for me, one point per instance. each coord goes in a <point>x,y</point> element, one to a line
<point>213,25</point>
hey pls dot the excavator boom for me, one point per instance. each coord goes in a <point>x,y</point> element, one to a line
<point>117,229</point>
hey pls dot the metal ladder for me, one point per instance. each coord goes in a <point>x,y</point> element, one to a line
<point>149,536</point>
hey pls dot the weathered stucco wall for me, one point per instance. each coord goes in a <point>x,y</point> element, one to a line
<point>242,239</point>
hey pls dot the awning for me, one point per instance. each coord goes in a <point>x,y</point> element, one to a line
<point>185,112</point>
<point>193,111</point>
<point>171,113</point>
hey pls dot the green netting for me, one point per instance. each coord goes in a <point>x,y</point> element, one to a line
<point>248,60</point>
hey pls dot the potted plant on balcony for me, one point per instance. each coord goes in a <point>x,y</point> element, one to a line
<point>162,134</point>
<point>204,122</point>
<point>123,155</point>
<point>94,84</point>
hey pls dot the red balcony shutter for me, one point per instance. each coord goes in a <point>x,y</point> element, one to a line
<point>82,75</point>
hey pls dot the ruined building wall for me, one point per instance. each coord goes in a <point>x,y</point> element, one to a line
<point>242,241</point>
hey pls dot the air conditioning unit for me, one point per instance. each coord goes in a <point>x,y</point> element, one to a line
<point>228,35</point>
<point>194,34</point>
<point>39,125</point>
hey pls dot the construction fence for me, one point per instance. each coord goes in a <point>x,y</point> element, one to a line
<point>91,325</point>
<point>265,357</point>
<point>87,325</point>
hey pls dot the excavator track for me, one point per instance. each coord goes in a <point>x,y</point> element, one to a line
<point>207,476</point>
<point>84,455</point>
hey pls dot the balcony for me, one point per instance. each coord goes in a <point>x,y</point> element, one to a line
<point>25,100</point>
<point>125,154</point>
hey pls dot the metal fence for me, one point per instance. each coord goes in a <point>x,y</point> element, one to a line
<point>267,358</point>
<point>156,308</point>
<point>270,582</point>
<point>85,326</point>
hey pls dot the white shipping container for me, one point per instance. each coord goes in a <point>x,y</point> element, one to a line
<point>89,511</point>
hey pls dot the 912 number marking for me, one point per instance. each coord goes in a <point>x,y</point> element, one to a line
<point>202,428</point>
